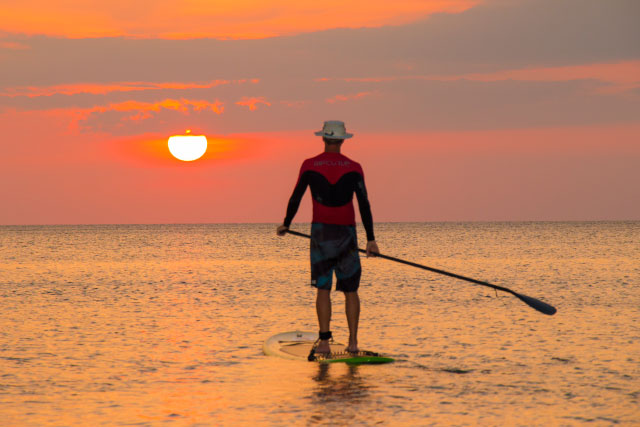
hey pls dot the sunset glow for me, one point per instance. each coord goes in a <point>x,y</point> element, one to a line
<point>535,119</point>
<point>239,19</point>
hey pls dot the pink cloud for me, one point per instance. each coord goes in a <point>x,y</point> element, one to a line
<point>252,102</point>
<point>621,76</point>
<point>14,46</point>
<point>182,105</point>
<point>348,97</point>
<point>141,111</point>
<point>105,88</point>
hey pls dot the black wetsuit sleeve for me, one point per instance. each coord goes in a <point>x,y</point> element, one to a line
<point>365,208</point>
<point>296,197</point>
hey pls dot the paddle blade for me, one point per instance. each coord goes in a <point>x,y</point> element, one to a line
<point>542,307</point>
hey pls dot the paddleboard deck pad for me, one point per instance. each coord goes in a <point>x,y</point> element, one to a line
<point>297,345</point>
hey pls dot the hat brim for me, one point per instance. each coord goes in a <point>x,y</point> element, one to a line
<point>344,136</point>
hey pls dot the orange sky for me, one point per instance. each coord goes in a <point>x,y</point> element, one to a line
<point>452,122</point>
<point>235,19</point>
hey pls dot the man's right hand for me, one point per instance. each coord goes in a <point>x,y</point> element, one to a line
<point>372,248</point>
<point>282,230</point>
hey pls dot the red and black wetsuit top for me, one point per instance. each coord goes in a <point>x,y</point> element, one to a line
<point>333,179</point>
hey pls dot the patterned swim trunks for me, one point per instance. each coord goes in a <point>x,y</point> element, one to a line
<point>335,248</point>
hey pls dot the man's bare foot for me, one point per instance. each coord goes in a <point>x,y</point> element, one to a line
<point>323,347</point>
<point>353,347</point>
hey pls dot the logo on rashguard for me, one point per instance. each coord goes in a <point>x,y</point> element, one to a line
<point>340,163</point>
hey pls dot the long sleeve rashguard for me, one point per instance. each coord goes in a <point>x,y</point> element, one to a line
<point>333,179</point>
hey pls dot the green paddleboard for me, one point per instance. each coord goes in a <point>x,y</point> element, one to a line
<point>296,345</point>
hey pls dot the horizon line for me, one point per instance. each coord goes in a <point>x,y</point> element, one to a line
<point>309,223</point>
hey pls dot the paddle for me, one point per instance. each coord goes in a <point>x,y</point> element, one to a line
<point>534,303</point>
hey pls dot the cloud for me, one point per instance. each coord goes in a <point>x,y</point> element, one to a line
<point>182,105</point>
<point>499,64</point>
<point>619,77</point>
<point>106,88</point>
<point>239,19</point>
<point>487,38</point>
<point>122,116</point>
<point>612,78</point>
<point>348,97</point>
<point>252,102</point>
<point>14,46</point>
<point>385,106</point>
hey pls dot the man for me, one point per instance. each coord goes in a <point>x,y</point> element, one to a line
<point>333,179</point>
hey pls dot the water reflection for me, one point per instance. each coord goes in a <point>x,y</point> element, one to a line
<point>339,392</point>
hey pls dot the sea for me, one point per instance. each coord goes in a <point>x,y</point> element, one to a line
<point>145,325</point>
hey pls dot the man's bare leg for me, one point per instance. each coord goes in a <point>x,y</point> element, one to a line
<point>323,308</point>
<point>352,307</point>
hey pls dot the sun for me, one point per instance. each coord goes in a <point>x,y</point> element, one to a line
<point>188,147</point>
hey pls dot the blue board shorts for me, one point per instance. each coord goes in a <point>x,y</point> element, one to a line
<point>335,248</point>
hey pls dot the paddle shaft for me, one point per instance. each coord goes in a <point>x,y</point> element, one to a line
<point>533,302</point>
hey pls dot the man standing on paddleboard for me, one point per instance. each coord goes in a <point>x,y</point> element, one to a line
<point>333,179</point>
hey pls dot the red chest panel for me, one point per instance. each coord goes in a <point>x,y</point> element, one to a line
<point>332,178</point>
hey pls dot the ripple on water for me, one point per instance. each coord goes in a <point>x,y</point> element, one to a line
<point>148,324</point>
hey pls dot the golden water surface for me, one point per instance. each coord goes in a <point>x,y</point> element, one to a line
<point>150,325</point>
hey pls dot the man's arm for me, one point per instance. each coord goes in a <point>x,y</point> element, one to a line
<point>294,200</point>
<point>365,209</point>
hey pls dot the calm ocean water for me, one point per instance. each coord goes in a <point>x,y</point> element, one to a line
<point>163,324</point>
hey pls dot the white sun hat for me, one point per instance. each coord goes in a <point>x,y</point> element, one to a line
<point>334,129</point>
